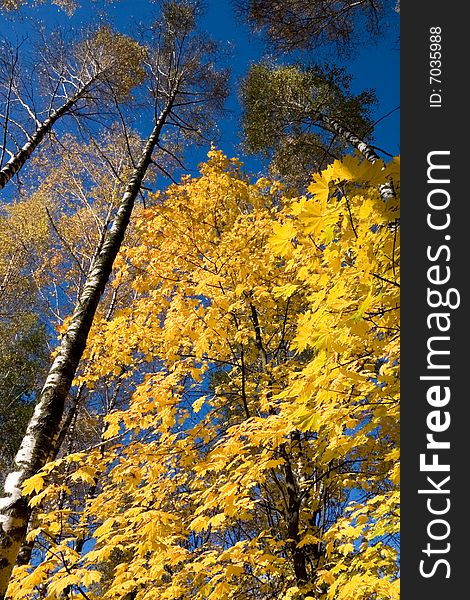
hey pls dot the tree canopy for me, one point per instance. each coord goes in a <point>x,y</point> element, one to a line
<point>308,24</point>
<point>260,458</point>
<point>199,365</point>
<point>287,115</point>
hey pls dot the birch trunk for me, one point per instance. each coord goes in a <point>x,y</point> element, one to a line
<point>43,428</point>
<point>386,190</point>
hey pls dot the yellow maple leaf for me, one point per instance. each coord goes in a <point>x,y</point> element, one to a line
<point>84,473</point>
<point>320,187</point>
<point>312,216</point>
<point>91,576</point>
<point>33,484</point>
<point>235,570</point>
<point>327,577</point>
<point>340,170</point>
<point>281,239</point>
<point>197,404</point>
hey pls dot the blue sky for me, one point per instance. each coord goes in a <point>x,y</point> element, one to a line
<point>376,65</point>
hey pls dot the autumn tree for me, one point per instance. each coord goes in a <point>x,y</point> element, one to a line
<point>49,239</point>
<point>301,118</point>
<point>24,354</point>
<point>77,191</point>
<point>259,458</point>
<point>307,24</point>
<point>75,197</point>
<point>184,88</point>
<point>11,5</point>
<point>77,78</point>
<point>23,359</point>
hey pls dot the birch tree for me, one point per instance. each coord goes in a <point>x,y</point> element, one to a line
<point>307,24</point>
<point>11,5</point>
<point>47,242</point>
<point>302,118</point>
<point>69,78</point>
<point>184,87</point>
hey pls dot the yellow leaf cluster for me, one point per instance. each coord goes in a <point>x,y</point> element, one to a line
<point>272,328</point>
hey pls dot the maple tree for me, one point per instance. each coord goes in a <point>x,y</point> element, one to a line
<point>257,455</point>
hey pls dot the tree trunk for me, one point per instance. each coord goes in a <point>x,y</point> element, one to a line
<point>43,428</point>
<point>386,190</point>
<point>26,550</point>
<point>293,522</point>
<point>292,512</point>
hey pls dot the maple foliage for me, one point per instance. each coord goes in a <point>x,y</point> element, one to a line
<point>257,455</point>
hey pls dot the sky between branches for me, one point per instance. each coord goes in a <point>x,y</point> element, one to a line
<point>375,65</point>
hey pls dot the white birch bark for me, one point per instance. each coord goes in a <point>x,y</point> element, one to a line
<point>44,425</point>
<point>386,190</point>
